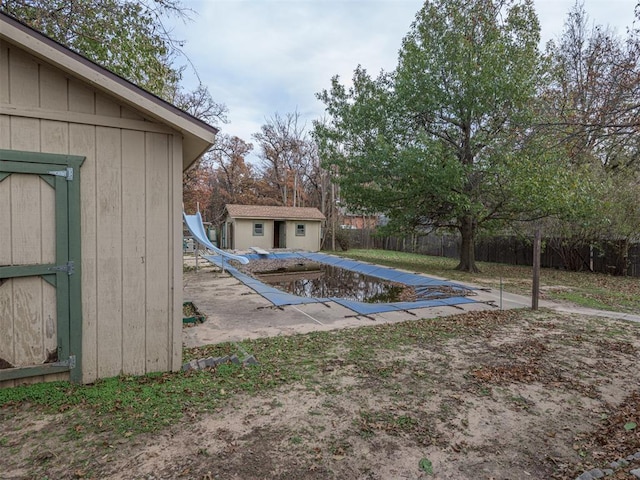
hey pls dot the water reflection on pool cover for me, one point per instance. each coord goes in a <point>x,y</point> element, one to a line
<point>422,285</point>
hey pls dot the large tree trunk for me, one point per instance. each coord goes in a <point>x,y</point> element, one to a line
<point>467,246</point>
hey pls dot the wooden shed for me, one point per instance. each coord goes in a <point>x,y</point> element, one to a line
<point>90,216</point>
<point>267,227</point>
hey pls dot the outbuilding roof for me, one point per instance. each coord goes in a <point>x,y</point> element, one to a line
<point>264,212</point>
<point>198,136</point>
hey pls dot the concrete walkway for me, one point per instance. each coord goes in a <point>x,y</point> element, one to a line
<point>235,312</point>
<point>591,312</point>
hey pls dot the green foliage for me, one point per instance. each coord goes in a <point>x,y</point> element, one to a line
<point>445,140</point>
<point>125,36</point>
<point>426,466</point>
<point>598,299</point>
<point>133,404</point>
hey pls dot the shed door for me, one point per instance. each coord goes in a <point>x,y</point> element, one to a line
<point>280,234</point>
<point>37,262</point>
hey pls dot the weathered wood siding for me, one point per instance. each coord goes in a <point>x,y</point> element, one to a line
<point>131,187</point>
<point>28,240</point>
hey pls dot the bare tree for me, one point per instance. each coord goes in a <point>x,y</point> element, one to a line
<point>595,92</point>
<point>594,114</point>
<point>233,180</point>
<point>287,155</point>
<point>200,104</point>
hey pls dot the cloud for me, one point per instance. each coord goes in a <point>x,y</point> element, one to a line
<point>261,57</point>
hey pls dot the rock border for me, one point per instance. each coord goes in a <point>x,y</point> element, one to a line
<point>210,362</point>
<point>597,473</point>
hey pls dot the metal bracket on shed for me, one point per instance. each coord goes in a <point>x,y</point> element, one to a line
<point>66,173</point>
<point>69,362</point>
<point>68,268</point>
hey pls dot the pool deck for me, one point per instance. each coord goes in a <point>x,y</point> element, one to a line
<point>235,312</point>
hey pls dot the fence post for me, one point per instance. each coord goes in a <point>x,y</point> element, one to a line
<point>535,291</point>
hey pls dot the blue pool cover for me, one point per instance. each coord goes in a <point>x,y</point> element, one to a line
<point>420,283</point>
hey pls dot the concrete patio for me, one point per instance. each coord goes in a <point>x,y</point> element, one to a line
<point>235,312</point>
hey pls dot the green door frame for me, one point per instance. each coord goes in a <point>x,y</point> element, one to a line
<point>62,172</point>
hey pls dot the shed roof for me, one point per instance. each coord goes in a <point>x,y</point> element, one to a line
<point>275,213</point>
<point>198,136</point>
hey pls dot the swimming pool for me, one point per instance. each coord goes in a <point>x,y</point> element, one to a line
<point>320,280</point>
<point>421,283</point>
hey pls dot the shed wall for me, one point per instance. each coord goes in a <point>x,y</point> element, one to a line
<point>310,242</point>
<point>131,188</point>
<point>244,238</point>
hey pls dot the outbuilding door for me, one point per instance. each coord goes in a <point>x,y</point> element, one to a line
<point>40,302</point>
<point>279,234</point>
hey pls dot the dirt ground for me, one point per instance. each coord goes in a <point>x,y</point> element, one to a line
<point>507,395</point>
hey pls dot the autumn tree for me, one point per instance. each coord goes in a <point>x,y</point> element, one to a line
<point>197,184</point>
<point>444,140</point>
<point>287,157</point>
<point>234,180</point>
<point>593,112</point>
<point>223,176</point>
<point>595,92</point>
<point>317,182</point>
<point>198,181</point>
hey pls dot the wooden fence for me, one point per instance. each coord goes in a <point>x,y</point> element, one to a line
<point>599,257</point>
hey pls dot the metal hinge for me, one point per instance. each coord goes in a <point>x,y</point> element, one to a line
<point>67,173</point>
<point>69,362</point>
<point>67,267</point>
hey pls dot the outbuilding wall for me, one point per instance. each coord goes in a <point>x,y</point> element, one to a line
<point>245,239</point>
<point>310,242</point>
<point>131,194</point>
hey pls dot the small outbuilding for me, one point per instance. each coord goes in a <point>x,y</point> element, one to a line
<point>266,227</point>
<point>90,216</point>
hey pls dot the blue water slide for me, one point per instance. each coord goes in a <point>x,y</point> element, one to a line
<point>195,226</point>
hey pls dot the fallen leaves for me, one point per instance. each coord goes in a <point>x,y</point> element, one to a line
<point>618,435</point>
<point>524,373</point>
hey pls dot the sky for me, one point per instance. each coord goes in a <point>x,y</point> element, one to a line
<point>267,57</point>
